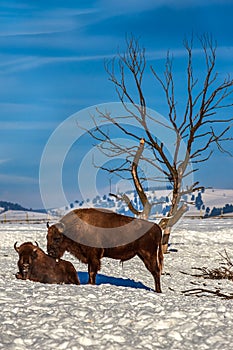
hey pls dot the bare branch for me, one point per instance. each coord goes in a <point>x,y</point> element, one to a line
<point>134,171</point>
<point>200,291</point>
<point>126,199</point>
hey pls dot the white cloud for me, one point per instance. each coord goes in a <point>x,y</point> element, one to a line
<point>35,26</point>
<point>57,20</point>
<point>3,161</point>
<point>223,52</point>
<point>32,62</point>
<point>15,5</point>
<point>131,6</point>
<point>16,179</point>
<point>72,12</point>
<point>29,125</point>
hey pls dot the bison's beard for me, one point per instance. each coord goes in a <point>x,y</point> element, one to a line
<point>25,273</point>
<point>56,254</point>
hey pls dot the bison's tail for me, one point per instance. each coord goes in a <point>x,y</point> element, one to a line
<point>160,257</point>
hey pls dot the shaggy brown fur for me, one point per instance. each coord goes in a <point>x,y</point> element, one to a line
<point>90,234</point>
<point>36,266</point>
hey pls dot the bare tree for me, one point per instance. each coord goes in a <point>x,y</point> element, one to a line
<point>201,124</point>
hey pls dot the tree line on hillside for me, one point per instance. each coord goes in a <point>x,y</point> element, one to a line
<point>11,206</point>
<point>227,209</point>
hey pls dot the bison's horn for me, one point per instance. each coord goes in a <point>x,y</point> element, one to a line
<point>37,244</point>
<point>47,224</point>
<point>15,246</point>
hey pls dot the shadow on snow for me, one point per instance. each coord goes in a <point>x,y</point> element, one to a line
<point>114,281</point>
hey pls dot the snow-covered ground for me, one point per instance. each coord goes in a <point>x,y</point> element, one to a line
<point>121,312</point>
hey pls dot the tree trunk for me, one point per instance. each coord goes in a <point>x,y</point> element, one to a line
<point>167,223</point>
<point>165,239</point>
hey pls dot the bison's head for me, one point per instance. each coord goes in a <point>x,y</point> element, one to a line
<point>27,253</point>
<point>55,240</point>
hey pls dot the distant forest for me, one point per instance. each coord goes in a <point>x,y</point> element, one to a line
<point>11,206</point>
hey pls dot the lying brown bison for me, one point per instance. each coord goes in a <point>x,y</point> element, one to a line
<point>37,266</point>
<point>91,234</point>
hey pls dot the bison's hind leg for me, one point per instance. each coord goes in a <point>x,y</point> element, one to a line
<point>151,263</point>
<point>73,279</point>
<point>71,273</point>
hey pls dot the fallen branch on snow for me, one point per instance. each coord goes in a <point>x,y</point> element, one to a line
<point>222,272</point>
<point>199,292</point>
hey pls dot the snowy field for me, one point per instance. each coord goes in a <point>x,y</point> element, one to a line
<point>121,312</point>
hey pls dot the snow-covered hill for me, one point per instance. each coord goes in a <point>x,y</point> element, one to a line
<point>212,198</point>
<point>25,216</point>
<point>203,203</point>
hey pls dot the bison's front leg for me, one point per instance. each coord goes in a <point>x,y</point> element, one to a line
<point>92,272</point>
<point>93,258</point>
<point>93,268</point>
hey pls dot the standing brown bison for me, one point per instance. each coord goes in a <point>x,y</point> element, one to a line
<point>37,266</point>
<point>91,234</point>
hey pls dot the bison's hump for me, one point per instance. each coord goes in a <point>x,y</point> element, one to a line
<point>103,228</point>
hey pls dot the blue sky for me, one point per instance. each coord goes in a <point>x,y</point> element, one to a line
<point>52,65</point>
